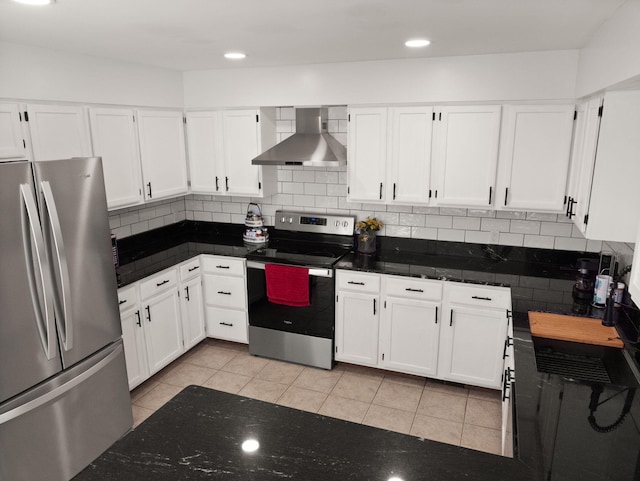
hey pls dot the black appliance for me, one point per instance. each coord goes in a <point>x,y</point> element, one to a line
<point>582,294</point>
<point>303,335</point>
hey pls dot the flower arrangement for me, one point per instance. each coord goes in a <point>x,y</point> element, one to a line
<point>369,225</point>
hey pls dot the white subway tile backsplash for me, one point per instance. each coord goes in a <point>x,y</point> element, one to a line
<point>306,175</point>
<point>304,200</point>
<point>477,237</point>
<point>555,229</point>
<point>508,239</point>
<point>285,113</point>
<point>333,126</point>
<point>481,213</point>
<point>155,223</point>
<point>539,241</point>
<point>139,227</point>
<point>505,214</point>
<point>285,175</point>
<point>337,190</point>
<point>203,216</point>
<point>397,230</point>
<point>594,246</point>
<point>337,112</point>
<point>466,223</point>
<point>439,221</point>
<point>315,189</point>
<point>233,208</point>
<point>407,209</point>
<point>525,227</point>
<point>453,211</point>
<point>424,233</point>
<point>221,217</point>
<point>542,216</point>
<point>451,235</point>
<point>422,209</point>
<point>570,244</point>
<point>292,188</point>
<point>415,220</point>
<point>326,202</point>
<point>495,225</point>
<point>327,177</point>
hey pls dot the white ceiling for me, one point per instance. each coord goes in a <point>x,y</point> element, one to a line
<point>194,34</point>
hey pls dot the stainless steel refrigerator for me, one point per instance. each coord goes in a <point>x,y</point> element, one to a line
<point>64,397</point>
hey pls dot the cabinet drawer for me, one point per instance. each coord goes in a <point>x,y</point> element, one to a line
<point>158,283</point>
<point>225,291</point>
<point>127,297</point>
<point>190,269</point>
<point>413,288</point>
<point>480,296</point>
<point>226,324</point>
<point>229,266</point>
<point>356,281</point>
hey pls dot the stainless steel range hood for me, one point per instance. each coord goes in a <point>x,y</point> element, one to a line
<point>311,145</point>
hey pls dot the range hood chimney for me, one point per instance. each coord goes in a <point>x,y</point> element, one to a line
<point>311,145</point>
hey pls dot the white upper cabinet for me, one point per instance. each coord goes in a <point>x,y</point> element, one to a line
<point>465,155</point>
<point>162,151</point>
<point>247,133</point>
<point>58,132</point>
<point>410,161</point>
<point>114,137</point>
<point>612,212</point>
<point>204,148</point>
<point>367,154</point>
<point>11,139</point>
<point>534,157</point>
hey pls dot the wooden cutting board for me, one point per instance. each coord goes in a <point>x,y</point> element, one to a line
<point>575,329</point>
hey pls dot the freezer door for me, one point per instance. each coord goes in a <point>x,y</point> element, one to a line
<point>55,430</point>
<point>73,208</point>
<point>28,340</point>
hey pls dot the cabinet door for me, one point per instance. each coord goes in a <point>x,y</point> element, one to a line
<point>58,132</point>
<point>367,154</point>
<point>162,150</point>
<point>471,345</point>
<point>11,143</point>
<point>204,146</point>
<point>134,347</point>
<point>357,318</point>
<point>409,336</point>
<point>192,304</point>
<point>465,155</point>
<point>114,137</point>
<point>534,157</point>
<point>410,166</point>
<point>241,143</point>
<point>163,331</point>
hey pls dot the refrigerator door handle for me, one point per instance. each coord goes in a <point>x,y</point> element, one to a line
<point>32,239</point>
<point>64,304</point>
<point>59,391</point>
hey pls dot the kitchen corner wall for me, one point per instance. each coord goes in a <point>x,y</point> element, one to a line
<point>325,190</point>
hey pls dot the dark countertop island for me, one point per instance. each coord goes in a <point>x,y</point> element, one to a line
<point>198,435</point>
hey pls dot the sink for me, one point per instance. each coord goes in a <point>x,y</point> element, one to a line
<point>583,362</point>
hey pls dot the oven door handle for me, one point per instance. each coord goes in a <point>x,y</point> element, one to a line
<point>313,272</point>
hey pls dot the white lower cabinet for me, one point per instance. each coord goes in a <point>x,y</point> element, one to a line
<point>133,336</point>
<point>431,328</point>
<point>225,296</point>
<point>191,303</point>
<point>473,334</point>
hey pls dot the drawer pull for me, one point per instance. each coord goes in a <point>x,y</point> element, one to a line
<point>148,308</point>
<point>229,324</point>
<point>436,314</point>
<point>374,307</point>
<point>139,321</point>
<point>186,290</point>
<point>191,269</point>
<point>222,267</point>
<point>413,290</point>
<point>225,293</point>
<point>480,298</point>
<point>158,284</point>
<point>451,319</point>
<point>122,302</point>
<point>356,283</point>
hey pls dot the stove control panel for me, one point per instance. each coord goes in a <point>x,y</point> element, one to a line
<point>320,223</point>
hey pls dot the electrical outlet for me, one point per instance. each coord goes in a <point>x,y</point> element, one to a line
<point>494,237</point>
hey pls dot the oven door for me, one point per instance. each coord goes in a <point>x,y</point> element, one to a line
<point>315,320</point>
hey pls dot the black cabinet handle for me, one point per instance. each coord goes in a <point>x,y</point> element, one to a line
<point>490,194</point>
<point>436,314</point>
<point>230,324</point>
<point>374,307</point>
<point>191,269</point>
<point>394,191</point>
<point>217,188</point>
<point>122,302</point>
<point>506,195</point>
<point>186,289</point>
<point>505,385</point>
<point>571,212</point>
<point>356,283</point>
<point>508,342</point>
<point>480,298</point>
<point>226,183</point>
<point>149,188</point>
<point>148,308</point>
<point>139,321</point>
<point>568,207</point>
<point>451,319</point>
<point>381,190</point>
<point>158,284</point>
<point>225,293</point>
<point>222,267</point>
<point>413,290</point>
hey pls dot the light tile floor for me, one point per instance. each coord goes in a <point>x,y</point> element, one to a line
<point>448,413</point>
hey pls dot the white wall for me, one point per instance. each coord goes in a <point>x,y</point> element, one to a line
<point>32,73</point>
<point>500,77</point>
<point>613,53</point>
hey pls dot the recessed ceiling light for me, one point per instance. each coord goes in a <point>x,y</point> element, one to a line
<point>235,55</point>
<point>418,42</point>
<point>34,2</point>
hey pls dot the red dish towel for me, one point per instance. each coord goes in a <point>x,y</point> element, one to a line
<point>287,285</point>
